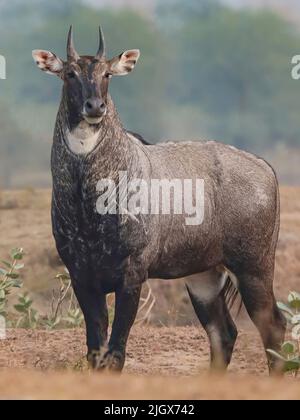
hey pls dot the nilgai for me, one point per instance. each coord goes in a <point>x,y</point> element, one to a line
<point>233,246</point>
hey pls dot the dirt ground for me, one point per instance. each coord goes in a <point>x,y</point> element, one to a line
<point>167,362</point>
<point>176,351</point>
<point>162,363</point>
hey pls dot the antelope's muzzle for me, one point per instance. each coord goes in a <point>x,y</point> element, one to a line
<point>94,110</point>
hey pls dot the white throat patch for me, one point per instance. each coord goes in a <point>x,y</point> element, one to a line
<point>83,139</point>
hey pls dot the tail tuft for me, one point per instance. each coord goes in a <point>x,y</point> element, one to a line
<point>231,295</point>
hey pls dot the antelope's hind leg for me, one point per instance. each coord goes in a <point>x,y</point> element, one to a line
<point>207,295</point>
<point>258,297</point>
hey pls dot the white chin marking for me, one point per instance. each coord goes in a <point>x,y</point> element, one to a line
<point>93,121</point>
<point>82,140</point>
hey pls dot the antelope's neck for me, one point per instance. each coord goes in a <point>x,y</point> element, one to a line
<point>88,152</point>
<point>81,138</point>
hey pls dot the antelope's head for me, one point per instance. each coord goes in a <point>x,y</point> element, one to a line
<point>86,78</point>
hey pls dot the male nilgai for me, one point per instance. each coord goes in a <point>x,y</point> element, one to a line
<point>235,244</point>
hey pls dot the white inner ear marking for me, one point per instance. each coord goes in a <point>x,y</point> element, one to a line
<point>125,63</point>
<point>47,61</point>
<point>82,140</point>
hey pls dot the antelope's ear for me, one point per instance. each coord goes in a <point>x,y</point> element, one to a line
<point>48,62</point>
<point>124,63</point>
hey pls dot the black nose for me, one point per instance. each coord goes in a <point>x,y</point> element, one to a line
<point>94,107</point>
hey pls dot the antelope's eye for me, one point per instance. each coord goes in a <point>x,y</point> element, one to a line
<point>108,75</point>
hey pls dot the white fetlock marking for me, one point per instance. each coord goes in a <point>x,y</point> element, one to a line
<point>215,338</point>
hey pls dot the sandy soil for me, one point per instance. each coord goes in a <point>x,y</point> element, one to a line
<point>177,351</point>
<point>162,363</point>
<point>72,386</point>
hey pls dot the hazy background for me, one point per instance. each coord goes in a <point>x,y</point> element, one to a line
<point>209,69</point>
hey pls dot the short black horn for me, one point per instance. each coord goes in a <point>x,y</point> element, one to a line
<point>71,52</point>
<point>101,50</point>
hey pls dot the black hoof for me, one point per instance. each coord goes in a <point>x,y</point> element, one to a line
<point>104,359</point>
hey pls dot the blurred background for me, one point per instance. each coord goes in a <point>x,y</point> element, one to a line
<point>209,69</point>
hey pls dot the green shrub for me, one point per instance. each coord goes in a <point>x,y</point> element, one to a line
<point>290,350</point>
<point>10,278</point>
<point>29,317</point>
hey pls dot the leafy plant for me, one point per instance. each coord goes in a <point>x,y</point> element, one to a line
<point>64,301</point>
<point>51,323</point>
<point>29,316</point>
<point>58,298</point>
<point>290,350</point>
<point>74,318</point>
<point>10,278</point>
